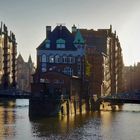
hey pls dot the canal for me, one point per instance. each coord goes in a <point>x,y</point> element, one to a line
<point>15,124</point>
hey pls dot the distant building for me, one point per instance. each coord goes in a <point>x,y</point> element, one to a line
<point>8,52</point>
<point>24,73</point>
<point>132,77</point>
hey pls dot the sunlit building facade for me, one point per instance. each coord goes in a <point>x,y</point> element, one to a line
<point>104,54</point>
<point>8,52</point>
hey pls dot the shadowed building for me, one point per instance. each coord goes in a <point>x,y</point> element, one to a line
<point>59,81</point>
<point>8,52</point>
<point>132,77</point>
<point>72,67</point>
<point>62,53</point>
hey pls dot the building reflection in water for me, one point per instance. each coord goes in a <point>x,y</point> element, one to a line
<point>7,118</point>
<point>60,125</point>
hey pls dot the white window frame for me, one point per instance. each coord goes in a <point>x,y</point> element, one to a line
<point>64,59</point>
<point>51,59</point>
<point>57,59</point>
<point>60,43</point>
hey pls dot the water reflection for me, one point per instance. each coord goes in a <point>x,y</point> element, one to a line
<point>59,125</point>
<point>105,125</point>
<point>7,118</point>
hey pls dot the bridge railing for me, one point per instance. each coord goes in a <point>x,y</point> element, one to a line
<point>126,95</point>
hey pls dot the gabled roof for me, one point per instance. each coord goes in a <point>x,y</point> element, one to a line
<point>59,33</point>
<point>20,58</point>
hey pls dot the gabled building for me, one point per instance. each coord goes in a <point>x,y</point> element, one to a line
<point>24,73</point>
<point>8,52</point>
<point>59,80</point>
<point>61,53</point>
<point>67,53</point>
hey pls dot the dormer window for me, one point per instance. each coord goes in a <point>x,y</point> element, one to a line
<point>60,43</point>
<point>47,43</point>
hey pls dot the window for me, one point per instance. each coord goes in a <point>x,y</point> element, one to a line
<point>43,67</point>
<point>43,58</point>
<point>47,59</point>
<point>47,43</point>
<point>79,59</point>
<point>68,71</point>
<point>71,59</point>
<point>57,59</point>
<point>51,59</point>
<point>60,43</point>
<point>64,59</point>
<point>79,67</point>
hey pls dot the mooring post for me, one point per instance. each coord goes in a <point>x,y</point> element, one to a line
<point>67,104</point>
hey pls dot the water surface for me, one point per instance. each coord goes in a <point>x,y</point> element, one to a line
<point>15,124</point>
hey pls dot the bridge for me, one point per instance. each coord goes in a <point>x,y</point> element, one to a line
<point>14,94</point>
<point>121,98</point>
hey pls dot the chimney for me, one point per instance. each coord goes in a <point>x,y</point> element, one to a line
<point>48,31</point>
<point>74,29</point>
<point>110,28</point>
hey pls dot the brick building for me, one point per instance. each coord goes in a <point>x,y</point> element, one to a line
<point>132,77</point>
<point>61,53</point>
<point>8,52</point>
<point>104,54</point>
<point>66,52</point>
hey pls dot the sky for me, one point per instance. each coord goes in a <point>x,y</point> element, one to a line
<point>28,20</point>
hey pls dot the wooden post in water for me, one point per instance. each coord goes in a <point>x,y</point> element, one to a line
<point>74,105</point>
<point>67,104</point>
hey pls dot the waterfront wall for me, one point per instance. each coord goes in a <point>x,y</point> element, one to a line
<point>41,107</point>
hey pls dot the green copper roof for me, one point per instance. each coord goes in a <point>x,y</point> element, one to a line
<point>78,38</point>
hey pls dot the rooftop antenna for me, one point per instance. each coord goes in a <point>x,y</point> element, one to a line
<point>60,24</point>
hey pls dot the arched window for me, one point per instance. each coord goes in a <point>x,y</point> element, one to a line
<point>51,59</point>
<point>68,71</point>
<point>57,59</point>
<point>60,43</point>
<point>43,58</point>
